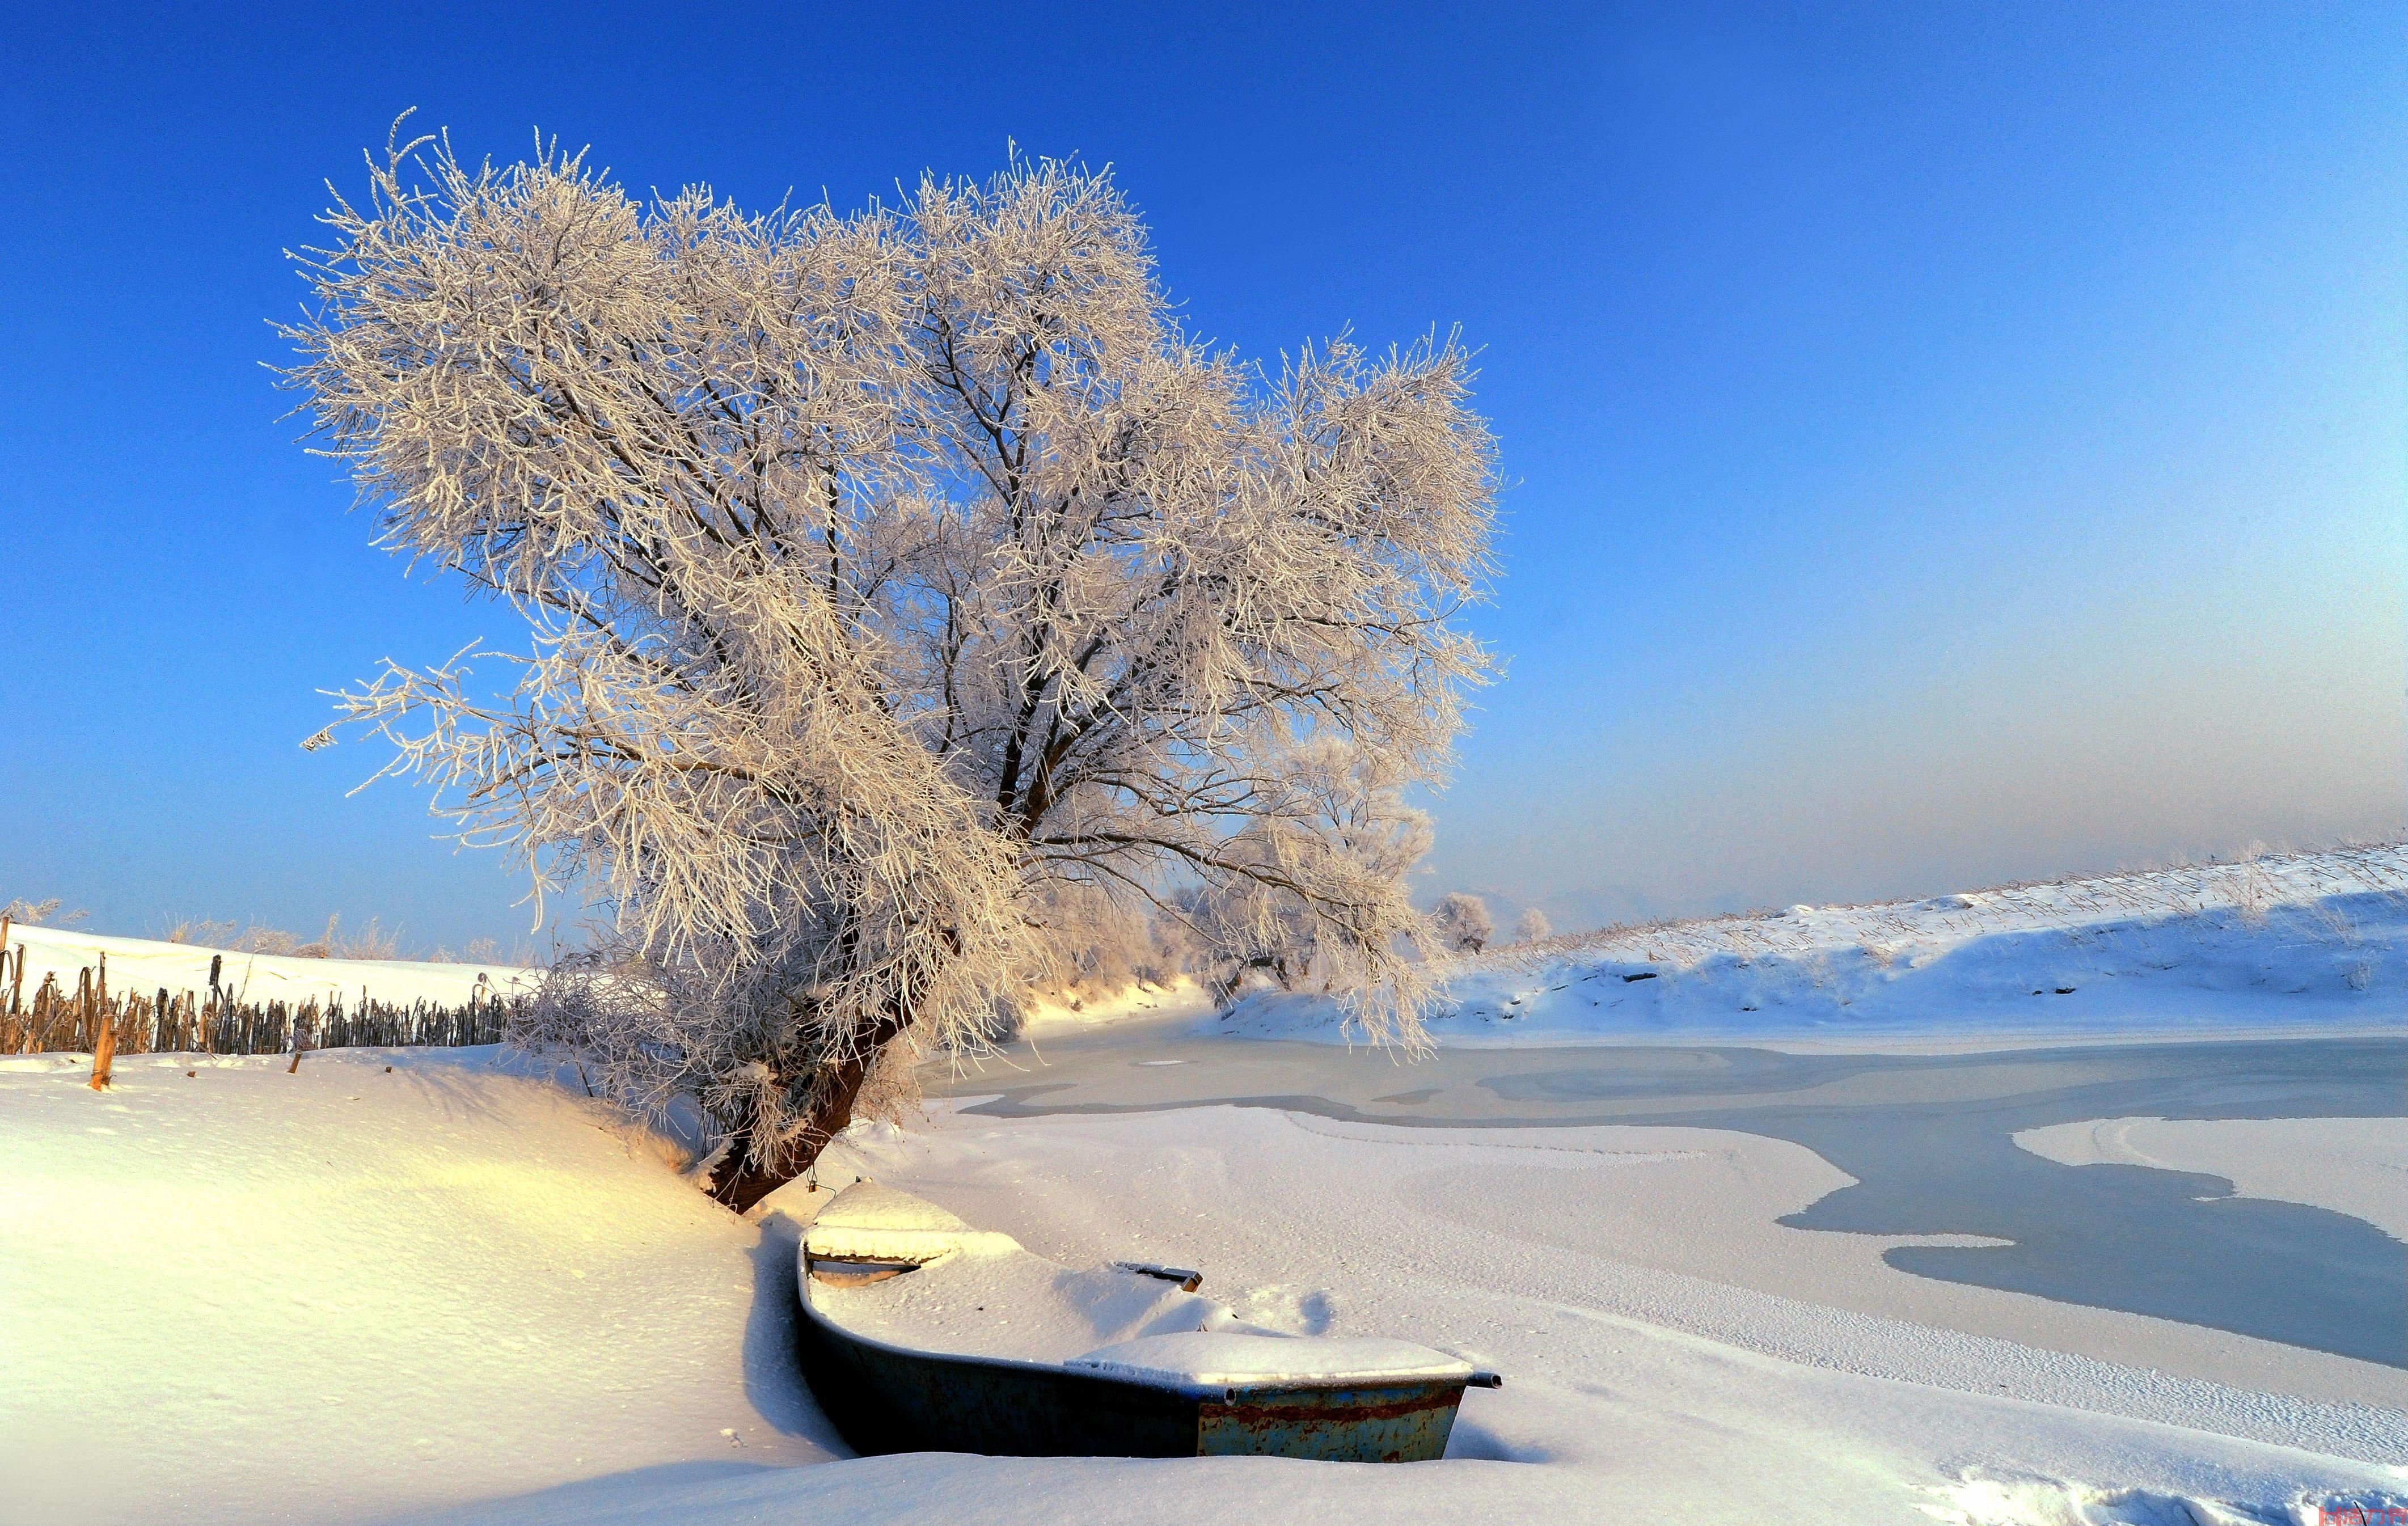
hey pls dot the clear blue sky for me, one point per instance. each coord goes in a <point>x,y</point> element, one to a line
<point>1949,442</point>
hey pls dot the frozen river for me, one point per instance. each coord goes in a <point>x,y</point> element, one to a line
<point>1926,1137</point>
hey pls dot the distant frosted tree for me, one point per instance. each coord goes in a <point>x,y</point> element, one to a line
<point>888,573</point>
<point>1532,926</point>
<point>1463,921</point>
<point>1095,944</point>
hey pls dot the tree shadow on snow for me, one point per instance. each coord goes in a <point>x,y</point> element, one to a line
<point>635,1494</point>
<point>773,1369</point>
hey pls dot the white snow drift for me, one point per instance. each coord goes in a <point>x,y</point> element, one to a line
<point>230,1294</point>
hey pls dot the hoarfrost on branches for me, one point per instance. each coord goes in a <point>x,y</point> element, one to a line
<point>1095,944</point>
<point>1532,926</point>
<point>1349,822</point>
<point>900,581</point>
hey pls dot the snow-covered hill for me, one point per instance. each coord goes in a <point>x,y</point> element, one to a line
<point>2305,940</point>
<point>146,964</point>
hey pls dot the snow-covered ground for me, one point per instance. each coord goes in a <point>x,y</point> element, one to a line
<point>148,965</point>
<point>458,1288</point>
<point>2353,1166</point>
<point>2307,941</point>
<point>230,1294</point>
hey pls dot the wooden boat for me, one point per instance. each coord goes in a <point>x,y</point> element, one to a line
<point>921,1333</point>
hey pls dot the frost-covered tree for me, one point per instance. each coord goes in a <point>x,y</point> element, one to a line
<point>1356,817</point>
<point>1095,943</point>
<point>887,572</point>
<point>1462,919</point>
<point>1532,926</point>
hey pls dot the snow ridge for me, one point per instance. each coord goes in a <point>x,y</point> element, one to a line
<point>2308,940</point>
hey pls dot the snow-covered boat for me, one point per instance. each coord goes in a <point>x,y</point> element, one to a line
<point>921,1333</point>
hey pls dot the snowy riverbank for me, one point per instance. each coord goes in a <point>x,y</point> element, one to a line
<point>2312,941</point>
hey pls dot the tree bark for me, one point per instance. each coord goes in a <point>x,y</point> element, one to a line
<point>744,1181</point>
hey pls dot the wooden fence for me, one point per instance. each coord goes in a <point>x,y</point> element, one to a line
<point>51,1018</point>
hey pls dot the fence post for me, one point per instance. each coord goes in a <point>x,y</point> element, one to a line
<point>103,1044</point>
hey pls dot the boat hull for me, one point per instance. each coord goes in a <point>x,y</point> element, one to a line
<point>890,1399</point>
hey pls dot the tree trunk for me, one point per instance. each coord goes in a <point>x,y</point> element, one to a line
<point>743,1181</point>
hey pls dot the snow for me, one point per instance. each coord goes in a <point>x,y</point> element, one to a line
<point>143,965</point>
<point>1637,1380</point>
<point>2353,1166</point>
<point>869,1208</point>
<point>982,1295</point>
<point>230,1294</point>
<point>923,1489</point>
<point>877,1223</point>
<point>1611,1410</point>
<point>1210,1358</point>
<point>2312,940</point>
<point>1681,1226</point>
